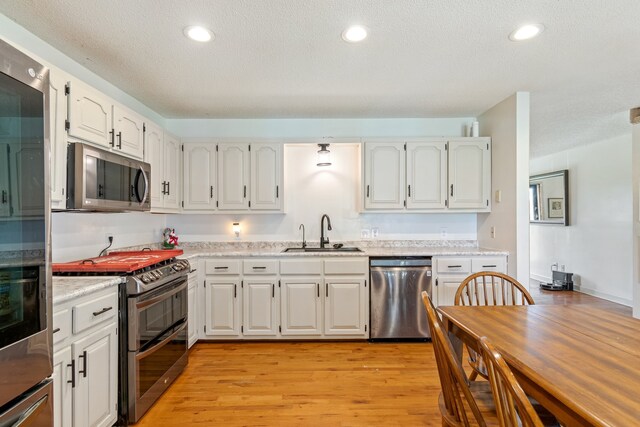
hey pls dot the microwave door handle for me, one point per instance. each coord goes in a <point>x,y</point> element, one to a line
<point>142,173</point>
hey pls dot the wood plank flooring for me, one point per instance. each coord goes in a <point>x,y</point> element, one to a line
<point>314,383</point>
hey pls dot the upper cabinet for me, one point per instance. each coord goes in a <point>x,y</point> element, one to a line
<point>93,117</point>
<point>58,137</point>
<point>233,176</point>
<point>428,175</point>
<point>162,152</point>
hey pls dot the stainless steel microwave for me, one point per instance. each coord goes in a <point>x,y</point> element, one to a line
<point>99,180</point>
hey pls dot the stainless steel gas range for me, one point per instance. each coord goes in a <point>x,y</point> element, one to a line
<point>153,317</point>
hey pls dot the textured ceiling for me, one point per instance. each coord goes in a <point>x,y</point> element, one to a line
<point>285,58</point>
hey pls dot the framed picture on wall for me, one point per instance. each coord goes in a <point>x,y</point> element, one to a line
<point>556,207</point>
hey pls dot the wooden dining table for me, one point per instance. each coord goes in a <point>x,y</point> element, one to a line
<point>580,362</point>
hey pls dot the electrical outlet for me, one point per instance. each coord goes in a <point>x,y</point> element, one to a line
<point>493,232</point>
<point>375,232</point>
<point>561,267</point>
<point>443,233</point>
<point>109,237</point>
<point>498,196</point>
<point>365,233</point>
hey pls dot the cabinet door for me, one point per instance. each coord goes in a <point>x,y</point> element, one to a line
<point>222,308</point>
<point>426,175</point>
<point>129,135</point>
<point>469,174</point>
<point>5,190</point>
<point>89,114</point>
<point>154,154</point>
<point>447,288</point>
<point>58,137</point>
<point>172,176</point>
<point>260,314</point>
<point>233,176</point>
<point>345,307</point>
<point>192,311</point>
<point>26,182</point>
<point>62,388</point>
<point>199,176</point>
<point>301,306</point>
<point>384,169</point>
<point>266,177</point>
<point>95,395</point>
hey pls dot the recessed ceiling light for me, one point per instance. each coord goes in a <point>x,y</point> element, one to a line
<point>354,34</point>
<point>197,33</point>
<point>526,32</point>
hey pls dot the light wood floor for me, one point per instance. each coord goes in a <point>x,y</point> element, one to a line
<point>313,383</point>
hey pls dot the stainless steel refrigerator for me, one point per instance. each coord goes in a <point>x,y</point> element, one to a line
<point>25,268</point>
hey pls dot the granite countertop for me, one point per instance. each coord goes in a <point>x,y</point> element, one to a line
<point>67,287</point>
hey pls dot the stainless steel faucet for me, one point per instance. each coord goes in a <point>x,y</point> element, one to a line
<point>324,240</point>
<point>304,241</point>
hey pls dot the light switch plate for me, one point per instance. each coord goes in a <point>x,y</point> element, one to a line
<point>375,232</point>
<point>365,233</point>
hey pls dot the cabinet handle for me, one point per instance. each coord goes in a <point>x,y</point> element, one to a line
<point>168,188</point>
<point>409,190</point>
<point>235,291</point>
<point>367,191</point>
<point>326,287</point>
<point>120,140</point>
<point>451,190</point>
<point>113,140</point>
<point>221,268</point>
<point>277,191</point>
<point>72,365</point>
<point>489,266</point>
<point>245,191</point>
<point>211,192</point>
<point>56,330</point>
<point>318,289</point>
<point>83,371</point>
<point>454,266</point>
<point>273,290</point>
<point>164,187</point>
<point>259,268</point>
<point>4,197</point>
<point>104,310</point>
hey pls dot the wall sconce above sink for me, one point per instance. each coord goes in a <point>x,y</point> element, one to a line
<point>236,229</point>
<point>324,155</point>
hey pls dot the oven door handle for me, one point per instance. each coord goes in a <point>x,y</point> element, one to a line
<point>161,343</point>
<point>162,296</point>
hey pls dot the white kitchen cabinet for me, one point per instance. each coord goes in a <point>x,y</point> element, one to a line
<point>63,366</point>
<point>233,176</point>
<point>345,306</point>
<point>222,307</point>
<point>446,287</point>
<point>427,175</point>
<point>192,319</point>
<point>260,314</point>
<point>95,394</point>
<point>162,152</point>
<point>266,177</point>
<point>301,305</point>
<point>384,176</point>
<point>58,137</point>
<point>128,132</point>
<point>89,114</point>
<point>85,348</point>
<point>199,176</point>
<point>469,173</point>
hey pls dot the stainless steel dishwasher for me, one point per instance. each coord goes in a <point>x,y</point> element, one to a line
<point>396,304</point>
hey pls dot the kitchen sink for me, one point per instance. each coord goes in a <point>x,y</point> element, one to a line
<point>340,249</point>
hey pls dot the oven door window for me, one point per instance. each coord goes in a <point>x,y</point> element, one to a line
<point>107,180</point>
<point>160,318</point>
<point>21,306</point>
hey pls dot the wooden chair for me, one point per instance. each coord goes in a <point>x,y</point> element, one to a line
<point>458,396</point>
<point>513,407</point>
<point>489,288</point>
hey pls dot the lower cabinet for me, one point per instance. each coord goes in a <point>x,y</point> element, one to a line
<point>293,298</point>
<point>192,316</point>
<point>449,272</point>
<point>85,363</point>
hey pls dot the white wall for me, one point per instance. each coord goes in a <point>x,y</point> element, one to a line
<point>635,219</point>
<point>83,235</point>
<point>597,244</point>
<point>508,125</point>
<point>311,191</point>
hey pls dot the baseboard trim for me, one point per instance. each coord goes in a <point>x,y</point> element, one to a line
<point>539,278</point>
<point>604,295</point>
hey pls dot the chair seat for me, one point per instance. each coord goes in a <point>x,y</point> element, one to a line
<point>481,391</point>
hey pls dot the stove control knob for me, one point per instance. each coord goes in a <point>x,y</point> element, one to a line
<point>155,274</point>
<point>145,278</point>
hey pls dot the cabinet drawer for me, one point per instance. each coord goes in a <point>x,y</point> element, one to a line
<point>454,265</point>
<point>488,264</point>
<point>260,266</point>
<point>358,266</point>
<point>301,267</point>
<point>222,266</point>
<point>90,313</point>
<point>61,325</point>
